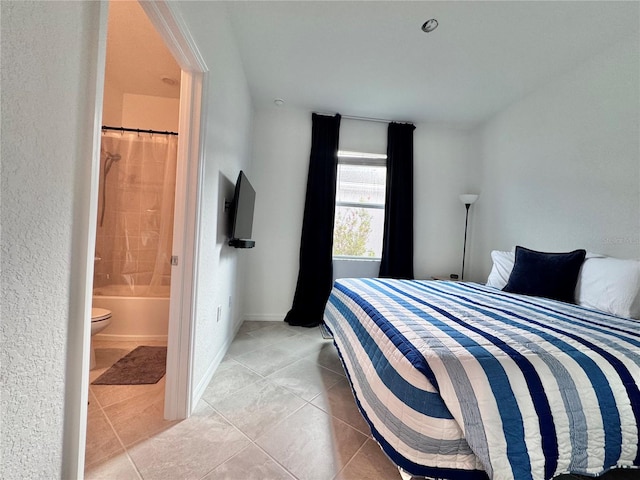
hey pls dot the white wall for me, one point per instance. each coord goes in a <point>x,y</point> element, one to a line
<point>112,104</point>
<point>561,168</point>
<point>444,166</point>
<point>281,145</point>
<point>148,112</point>
<point>227,149</point>
<point>48,101</point>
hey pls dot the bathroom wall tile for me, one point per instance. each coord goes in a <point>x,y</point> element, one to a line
<point>189,449</point>
<point>151,200</point>
<point>129,201</point>
<point>131,177</point>
<point>129,226</point>
<point>153,174</point>
<point>149,241</point>
<point>297,441</point>
<point>146,257</point>
<point>108,222</point>
<point>370,462</point>
<point>250,464</point>
<point>258,407</point>
<point>134,155</point>
<point>338,401</point>
<point>305,379</point>
<point>149,222</point>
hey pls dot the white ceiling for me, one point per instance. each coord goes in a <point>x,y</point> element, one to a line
<point>372,59</point>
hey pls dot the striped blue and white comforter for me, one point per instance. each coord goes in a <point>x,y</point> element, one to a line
<point>463,381</point>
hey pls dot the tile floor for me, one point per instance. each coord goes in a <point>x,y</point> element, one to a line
<point>278,407</point>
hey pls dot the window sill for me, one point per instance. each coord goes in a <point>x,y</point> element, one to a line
<point>356,259</point>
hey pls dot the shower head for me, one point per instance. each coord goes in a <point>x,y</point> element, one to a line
<point>108,162</point>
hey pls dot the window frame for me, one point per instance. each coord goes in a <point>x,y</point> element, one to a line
<point>363,159</point>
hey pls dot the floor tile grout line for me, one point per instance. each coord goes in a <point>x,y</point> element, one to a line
<point>239,431</point>
<point>251,441</point>
<point>285,342</point>
<point>122,444</point>
<point>113,429</point>
<point>228,420</point>
<point>276,461</point>
<point>351,459</point>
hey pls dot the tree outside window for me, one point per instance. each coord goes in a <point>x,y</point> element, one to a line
<point>360,195</point>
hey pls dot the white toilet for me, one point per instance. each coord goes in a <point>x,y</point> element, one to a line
<point>100,319</point>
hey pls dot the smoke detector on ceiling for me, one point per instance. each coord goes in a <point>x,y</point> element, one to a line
<point>430,25</point>
<point>168,80</point>
<point>278,102</point>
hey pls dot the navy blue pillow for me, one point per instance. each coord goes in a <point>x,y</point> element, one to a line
<point>550,275</point>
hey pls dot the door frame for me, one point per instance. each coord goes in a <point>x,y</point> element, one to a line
<point>182,313</point>
<point>178,390</point>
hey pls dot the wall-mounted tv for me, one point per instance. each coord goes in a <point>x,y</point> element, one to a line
<point>242,213</point>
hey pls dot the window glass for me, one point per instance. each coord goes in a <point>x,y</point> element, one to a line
<point>361,183</point>
<point>359,219</point>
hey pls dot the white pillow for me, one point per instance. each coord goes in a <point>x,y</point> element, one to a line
<point>503,264</point>
<point>501,270</point>
<point>611,285</point>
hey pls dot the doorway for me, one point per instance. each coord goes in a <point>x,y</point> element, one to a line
<point>183,271</point>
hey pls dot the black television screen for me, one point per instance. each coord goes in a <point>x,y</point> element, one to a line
<point>242,213</point>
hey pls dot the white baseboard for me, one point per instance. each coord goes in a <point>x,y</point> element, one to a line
<point>213,366</point>
<point>265,317</point>
<point>108,337</point>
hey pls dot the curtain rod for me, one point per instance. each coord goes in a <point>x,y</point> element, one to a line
<point>365,119</point>
<point>137,130</point>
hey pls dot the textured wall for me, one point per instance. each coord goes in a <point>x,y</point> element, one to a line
<point>561,168</point>
<point>444,167</point>
<point>227,150</point>
<point>47,50</point>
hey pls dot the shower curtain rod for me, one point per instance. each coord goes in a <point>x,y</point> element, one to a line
<point>364,119</point>
<point>123,129</point>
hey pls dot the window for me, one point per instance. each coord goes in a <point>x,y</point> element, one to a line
<point>360,195</point>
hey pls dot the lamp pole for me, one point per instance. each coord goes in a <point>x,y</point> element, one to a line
<point>464,247</point>
<point>467,199</point>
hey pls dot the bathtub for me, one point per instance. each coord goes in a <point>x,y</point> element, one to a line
<point>135,318</point>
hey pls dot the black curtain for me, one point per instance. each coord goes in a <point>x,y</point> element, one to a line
<point>397,244</point>
<point>315,276</point>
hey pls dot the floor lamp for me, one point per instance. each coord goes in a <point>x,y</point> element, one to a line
<point>467,199</point>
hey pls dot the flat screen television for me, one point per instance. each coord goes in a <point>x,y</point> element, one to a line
<point>242,213</point>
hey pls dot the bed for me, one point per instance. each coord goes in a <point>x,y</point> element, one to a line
<point>464,381</point>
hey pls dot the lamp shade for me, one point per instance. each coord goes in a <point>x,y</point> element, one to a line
<point>468,198</point>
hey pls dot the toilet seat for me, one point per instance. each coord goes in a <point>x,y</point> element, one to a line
<point>99,314</point>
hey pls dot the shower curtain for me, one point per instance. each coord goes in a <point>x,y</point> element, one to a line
<point>137,191</point>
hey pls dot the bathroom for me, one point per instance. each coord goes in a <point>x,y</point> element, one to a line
<point>132,261</point>
<point>132,270</point>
